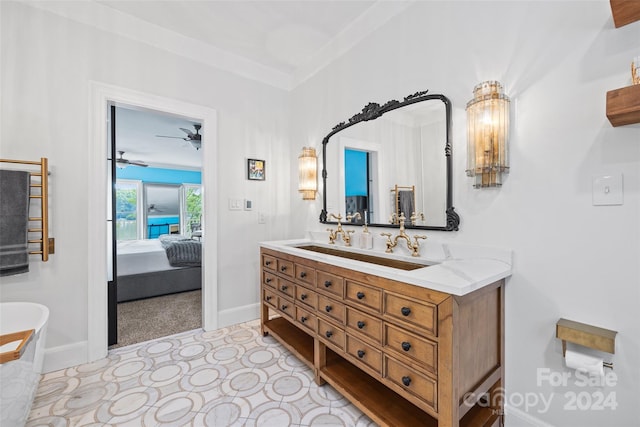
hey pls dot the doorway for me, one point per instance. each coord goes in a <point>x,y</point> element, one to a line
<point>156,203</point>
<point>101,97</point>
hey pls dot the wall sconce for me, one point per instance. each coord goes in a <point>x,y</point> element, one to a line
<point>488,135</point>
<point>308,173</point>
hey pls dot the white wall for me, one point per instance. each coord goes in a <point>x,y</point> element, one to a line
<point>557,60</point>
<point>47,65</point>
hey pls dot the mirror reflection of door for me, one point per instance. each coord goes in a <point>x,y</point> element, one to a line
<point>356,184</point>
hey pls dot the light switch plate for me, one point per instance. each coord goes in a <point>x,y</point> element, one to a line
<point>235,204</point>
<point>607,189</point>
<point>248,205</point>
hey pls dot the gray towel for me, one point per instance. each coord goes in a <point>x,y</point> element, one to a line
<point>14,221</point>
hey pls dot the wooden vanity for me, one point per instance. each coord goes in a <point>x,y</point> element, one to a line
<point>406,355</point>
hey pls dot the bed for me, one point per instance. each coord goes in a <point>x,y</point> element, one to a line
<point>144,271</point>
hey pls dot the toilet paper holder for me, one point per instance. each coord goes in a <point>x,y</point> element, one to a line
<point>586,335</point>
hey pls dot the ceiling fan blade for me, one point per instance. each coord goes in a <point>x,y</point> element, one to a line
<point>188,132</point>
<point>165,136</point>
<point>138,163</point>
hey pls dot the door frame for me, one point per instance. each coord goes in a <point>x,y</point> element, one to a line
<point>102,95</point>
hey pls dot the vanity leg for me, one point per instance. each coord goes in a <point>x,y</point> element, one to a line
<point>319,359</point>
<point>264,316</point>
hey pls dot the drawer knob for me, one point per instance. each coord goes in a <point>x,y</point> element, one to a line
<point>284,287</point>
<point>360,295</point>
<point>303,274</point>
<point>268,280</point>
<point>327,283</point>
<point>284,306</point>
<point>360,354</point>
<point>268,297</point>
<point>406,381</point>
<point>303,319</point>
<point>328,308</point>
<point>267,263</point>
<point>405,311</point>
<point>283,268</point>
<point>328,334</point>
<point>303,297</point>
<point>360,324</point>
<point>406,346</point>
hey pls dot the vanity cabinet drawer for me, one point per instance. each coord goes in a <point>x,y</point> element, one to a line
<point>421,350</point>
<point>419,385</point>
<point>286,307</point>
<point>286,287</point>
<point>364,324</point>
<point>331,283</point>
<point>305,275</point>
<point>269,279</point>
<point>363,296</point>
<point>269,296</point>
<point>331,333</point>
<point>306,297</point>
<point>269,262</point>
<point>331,308</point>
<point>285,267</point>
<point>306,319</point>
<point>364,353</point>
<point>421,314</point>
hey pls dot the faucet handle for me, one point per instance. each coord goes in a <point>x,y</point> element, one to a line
<point>355,215</point>
<point>416,216</point>
<point>338,217</point>
<point>332,236</point>
<point>419,237</point>
<point>386,235</point>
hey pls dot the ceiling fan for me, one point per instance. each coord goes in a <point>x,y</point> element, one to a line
<point>122,163</point>
<point>194,138</point>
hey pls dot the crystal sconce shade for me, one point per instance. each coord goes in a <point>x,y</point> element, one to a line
<point>488,135</point>
<point>308,173</point>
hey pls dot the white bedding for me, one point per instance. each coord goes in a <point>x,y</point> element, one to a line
<point>141,256</point>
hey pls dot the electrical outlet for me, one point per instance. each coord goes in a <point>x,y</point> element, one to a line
<point>262,218</point>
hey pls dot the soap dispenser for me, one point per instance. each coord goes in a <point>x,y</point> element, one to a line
<point>366,238</point>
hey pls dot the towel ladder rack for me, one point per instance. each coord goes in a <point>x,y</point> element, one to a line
<point>46,243</point>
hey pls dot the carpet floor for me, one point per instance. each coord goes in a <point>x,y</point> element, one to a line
<point>152,318</point>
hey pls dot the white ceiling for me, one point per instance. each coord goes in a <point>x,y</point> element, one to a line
<point>278,34</point>
<point>136,135</point>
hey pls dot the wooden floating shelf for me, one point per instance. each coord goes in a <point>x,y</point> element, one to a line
<point>585,335</point>
<point>625,11</point>
<point>623,105</point>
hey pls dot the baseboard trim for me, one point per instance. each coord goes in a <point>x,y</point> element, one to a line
<point>236,315</point>
<point>515,417</point>
<point>65,356</point>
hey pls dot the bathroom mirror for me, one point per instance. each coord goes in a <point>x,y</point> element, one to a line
<point>389,160</point>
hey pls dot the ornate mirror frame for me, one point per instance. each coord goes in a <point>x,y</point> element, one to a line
<point>372,111</point>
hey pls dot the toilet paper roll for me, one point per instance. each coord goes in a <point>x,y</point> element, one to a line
<point>584,362</point>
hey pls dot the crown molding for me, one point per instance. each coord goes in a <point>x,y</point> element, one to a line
<point>110,20</point>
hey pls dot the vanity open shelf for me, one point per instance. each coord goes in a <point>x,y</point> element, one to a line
<point>404,354</point>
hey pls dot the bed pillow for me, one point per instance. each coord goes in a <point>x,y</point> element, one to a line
<point>166,239</point>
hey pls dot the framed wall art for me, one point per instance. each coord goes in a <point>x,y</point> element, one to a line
<point>255,169</point>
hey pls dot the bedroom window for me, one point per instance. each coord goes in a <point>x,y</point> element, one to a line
<point>192,209</point>
<point>128,203</point>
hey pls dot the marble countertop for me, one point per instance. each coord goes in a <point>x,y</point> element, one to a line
<point>454,268</point>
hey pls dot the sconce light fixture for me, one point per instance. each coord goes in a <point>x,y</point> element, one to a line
<point>488,135</point>
<point>308,173</point>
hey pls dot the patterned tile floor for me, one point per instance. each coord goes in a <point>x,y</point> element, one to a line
<point>229,377</point>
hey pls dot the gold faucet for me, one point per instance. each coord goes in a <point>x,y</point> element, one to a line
<point>413,247</point>
<point>346,234</point>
